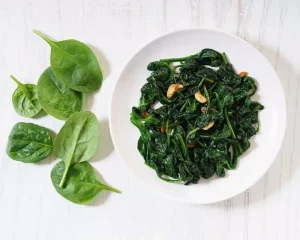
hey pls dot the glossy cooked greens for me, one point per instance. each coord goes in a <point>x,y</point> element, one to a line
<point>56,98</point>
<point>81,184</point>
<point>25,99</point>
<point>206,119</point>
<point>29,143</point>
<point>74,64</point>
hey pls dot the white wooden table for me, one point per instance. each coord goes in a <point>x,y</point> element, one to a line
<point>29,206</point>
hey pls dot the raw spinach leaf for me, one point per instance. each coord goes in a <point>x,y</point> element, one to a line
<point>77,141</point>
<point>81,184</point>
<point>74,64</point>
<point>29,143</point>
<point>56,98</point>
<point>25,99</point>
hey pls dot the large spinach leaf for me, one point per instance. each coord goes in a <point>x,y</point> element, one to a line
<point>77,141</point>
<point>25,99</point>
<point>56,98</point>
<point>75,64</point>
<point>81,184</point>
<point>29,143</point>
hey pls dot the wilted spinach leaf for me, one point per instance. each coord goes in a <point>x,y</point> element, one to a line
<point>29,143</point>
<point>56,98</point>
<point>81,184</point>
<point>25,99</point>
<point>74,64</point>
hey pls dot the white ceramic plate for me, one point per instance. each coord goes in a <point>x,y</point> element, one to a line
<point>264,146</point>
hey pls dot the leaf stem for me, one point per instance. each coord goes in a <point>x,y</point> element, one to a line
<point>218,99</point>
<point>167,132</point>
<point>184,105</point>
<point>191,132</point>
<point>170,180</point>
<point>228,123</point>
<point>209,80</point>
<point>200,143</point>
<point>43,36</point>
<point>205,79</point>
<point>224,58</point>
<point>207,96</point>
<point>169,60</point>
<point>231,129</point>
<point>16,81</point>
<point>63,179</point>
<point>105,187</point>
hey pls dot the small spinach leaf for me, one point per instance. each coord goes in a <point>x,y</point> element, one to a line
<point>77,141</point>
<point>29,143</point>
<point>74,64</point>
<point>56,98</point>
<point>25,99</point>
<point>81,184</point>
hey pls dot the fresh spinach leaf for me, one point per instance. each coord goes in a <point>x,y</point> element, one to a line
<point>77,141</point>
<point>81,184</point>
<point>56,98</point>
<point>25,99</point>
<point>29,143</point>
<point>74,64</point>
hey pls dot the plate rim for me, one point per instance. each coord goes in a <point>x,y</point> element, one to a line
<point>155,190</point>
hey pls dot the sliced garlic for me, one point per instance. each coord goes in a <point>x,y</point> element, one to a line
<point>209,126</point>
<point>200,97</point>
<point>173,88</point>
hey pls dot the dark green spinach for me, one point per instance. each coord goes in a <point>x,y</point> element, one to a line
<point>29,143</point>
<point>74,64</point>
<point>206,119</point>
<point>81,184</point>
<point>25,99</point>
<point>56,98</point>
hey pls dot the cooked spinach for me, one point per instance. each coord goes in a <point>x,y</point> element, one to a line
<point>74,64</point>
<point>56,98</point>
<point>29,143</point>
<point>206,119</point>
<point>25,99</point>
<point>77,141</point>
<point>81,184</point>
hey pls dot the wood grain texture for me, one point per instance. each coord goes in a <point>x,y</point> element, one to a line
<point>115,29</point>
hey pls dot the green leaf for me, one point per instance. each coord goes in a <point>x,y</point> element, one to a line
<point>29,143</point>
<point>77,141</point>
<point>25,99</point>
<point>56,98</point>
<point>74,64</point>
<point>228,75</point>
<point>81,184</point>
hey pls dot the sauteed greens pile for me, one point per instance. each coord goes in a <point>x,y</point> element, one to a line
<point>204,120</point>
